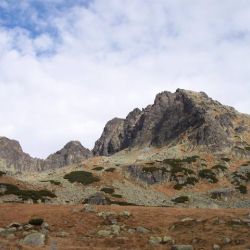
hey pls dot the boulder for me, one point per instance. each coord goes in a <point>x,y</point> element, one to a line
<point>34,239</point>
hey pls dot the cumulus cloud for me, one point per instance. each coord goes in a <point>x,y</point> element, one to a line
<point>69,66</point>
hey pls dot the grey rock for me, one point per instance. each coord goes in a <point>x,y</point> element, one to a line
<point>104,233</point>
<point>97,199</point>
<point>62,234</point>
<point>155,240</point>
<point>216,247</point>
<point>89,208</point>
<point>115,229</point>
<point>34,239</point>
<point>168,240</point>
<point>182,247</point>
<point>142,230</point>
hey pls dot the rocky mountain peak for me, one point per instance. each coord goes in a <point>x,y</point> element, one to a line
<point>183,116</point>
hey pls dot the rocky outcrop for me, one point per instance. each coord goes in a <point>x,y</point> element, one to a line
<point>72,153</point>
<point>13,159</point>
<point>183,116</point>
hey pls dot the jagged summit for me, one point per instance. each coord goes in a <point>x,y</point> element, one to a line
<point>174,117</point>
<point>12,157</point>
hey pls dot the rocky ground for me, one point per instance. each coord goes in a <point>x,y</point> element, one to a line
<point>24,226</point>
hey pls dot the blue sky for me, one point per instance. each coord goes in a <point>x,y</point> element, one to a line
<point>67,67</point>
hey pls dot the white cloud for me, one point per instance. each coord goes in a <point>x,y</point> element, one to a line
<point>114,56</point>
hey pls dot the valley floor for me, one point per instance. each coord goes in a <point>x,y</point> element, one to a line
<point>72,227</point>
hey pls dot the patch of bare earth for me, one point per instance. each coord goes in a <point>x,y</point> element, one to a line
<point>208,227</point>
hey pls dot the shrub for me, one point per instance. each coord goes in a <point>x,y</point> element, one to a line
<point>181,199</point>
<point>27,194</point>
<point>82,177</point>
<point>53,182</point>
<point>110,170</point>
<point>97,168</point>
<point>226,159</point>
<point>116,195</point>
<point>36,221</point>
<point>242,189</point>
<point>209,175</point>
<point>108,190</point>
<point>153,169</point>
<point>2,173</point>
<point>247,148</point>
<point>219,167</point>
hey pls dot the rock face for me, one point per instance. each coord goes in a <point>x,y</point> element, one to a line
<point>180,117</point>
<point>12,157</point>
<point>73,152</point>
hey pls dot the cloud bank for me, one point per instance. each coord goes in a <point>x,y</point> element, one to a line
<point>67,67</point>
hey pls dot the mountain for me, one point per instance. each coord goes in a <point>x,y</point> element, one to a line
<point>183,117</point>
<point>12,157</point>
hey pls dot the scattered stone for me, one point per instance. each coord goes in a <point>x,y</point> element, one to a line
<point>155,240</point>
<point>104,214</point>
<point>216,247</point>
<point>116,229</point>
<point>28,227</point>
<point>182,247</point>
<point>89,208</point>
<point>168,240</point>
<point>142,230</point>
<point>226,240</point>
<point>45,225</point>
<point>34,239</point>
<point>187,219</point>
<point>15,225</point>
<point>125,214</point>
<point>104,233</point>
<point>131,230</point>
<point>62,234</point>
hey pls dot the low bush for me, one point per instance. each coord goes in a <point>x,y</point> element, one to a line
<point>242,189</point>
<point>97,168</point>
<point>82,177</point>
<point>34,195</point>
<point>110,170</point>
<point>116,195</point>
<point>219,167</point>
<point>226,159</point>
<point>2,173</point>
<point>36,221</point>
<point>181,199</point>
<point>57,183</point>
<point>209,175</point>
<point>108,190</point>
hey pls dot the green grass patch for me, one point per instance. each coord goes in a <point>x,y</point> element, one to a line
<point>27,194</point>
<point>209,175</point>
<point>108,190</point>
<point>82,177</point>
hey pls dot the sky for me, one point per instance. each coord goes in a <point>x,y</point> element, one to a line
<point>69,66</point>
